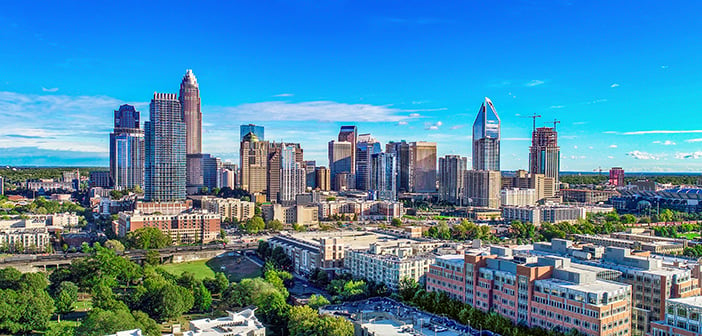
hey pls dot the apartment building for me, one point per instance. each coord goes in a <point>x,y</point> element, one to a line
<point>190,226</point>
<point>546,292</point>
<point>682,318</point>
<point>296,214</point>
<point>229,208</point>
<point>362,209</point>
<point>243,323</point>
<point>389,264</point>
<point>325,253</point>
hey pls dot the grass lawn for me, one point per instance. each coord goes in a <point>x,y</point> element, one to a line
<point>689,235</point>
<point>234,267</point>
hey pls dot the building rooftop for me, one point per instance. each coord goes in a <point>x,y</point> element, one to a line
<point>695,301</point>
<point>595,287</point>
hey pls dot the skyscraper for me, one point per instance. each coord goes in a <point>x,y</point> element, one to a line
<point>165,150</point>
<point>350,134</point>
<point>384,176</point>
<point>405,166</point>
<point>292,174</point>
<point>127,149</point>
<point>486,138</point>
<point>544,153</point>
<point>323,181</point>
<point>254,164</point>
<point>452,170</point>
<point>275,166</point>
<point>251,128</point>
<point>340,161</point>
<point>365,147</point>
<point>424,166</point>
<point>482,188</point>
<point>310,174</point>
<point>189,98</point>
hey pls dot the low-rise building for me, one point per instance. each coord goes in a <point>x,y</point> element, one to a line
<point>389,264</point>
<point>682,318</point>
<point>229,208</point>
<point>362,209</point>
<point>295,214</point>
<point>518,197</point>
<point>587,196</point>
<point>243,323</point>
<point>189,226</point>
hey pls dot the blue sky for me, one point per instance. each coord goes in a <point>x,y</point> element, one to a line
<point>624,78</point>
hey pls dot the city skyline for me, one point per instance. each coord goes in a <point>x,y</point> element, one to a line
<point>59,93</point>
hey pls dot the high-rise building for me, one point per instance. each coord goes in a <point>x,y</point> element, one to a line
<point>310,174</point>
<point>189,97</point>
<point>275,166</point>
<point>251,128</point>
<point>349,134</point>
<point>383,179</point>
<point>486,138</point>
<point>616,176</point>
<point>323,182</point>
<point>340,160</point>
<point>365,147</point>
<point>127,152</point>
<point>452,170</point>
<point>423,156</point>
<point>227,179</point>
<point>253,154</point>
<point>544,153</point>
<point>202,169</point>
<point>482,188</point>
<point>292,174</point>
<point>405,168</point>
<point>164,176</point>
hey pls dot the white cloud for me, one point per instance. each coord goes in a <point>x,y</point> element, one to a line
<point>662,132</point>
<point>694,140</point>
<point>693,155</point>
<point>534,82</point>
<point>414,115</point>
<point>455,127</point>
<point>401,123</point>
<point>612,146</point>
<point>665,143</point>
<point>639,155</point>
<point>614,85</point>
<point>49,90</point>
<point>575,147</point>
<point>610,157</point>
<point>432,127</point>
<point>664,67</point>
<point>596,101</point>
<point>284,95</point>
<point>326,111</point>
<point>557,106</point>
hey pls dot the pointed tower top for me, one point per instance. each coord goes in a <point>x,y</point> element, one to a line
<point>190,78</point>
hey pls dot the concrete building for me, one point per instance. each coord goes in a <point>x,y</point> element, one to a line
<point>229,208</point>
<point>243,323</point>
<point>291,214</point>
<point>486,138</point>
<point>544,186</point>
<point>292,174</point>
<point>452,170</point>
<point>165,136</point>
<point>423,157</point>
<point>189,97</point>
<point>310,174</point>
<point>388,264</point>
<point>545,292</point>
<point>682,318</point>
<point>517,197</point>
<point>587,196</point>
<point>100,178</point>
<point>323,176</point>
<point>253,155</point>
<point>361,209</point>
<point>616,176</point>
<point>482,188</point>
<point>190,226</point>
<point>309,253</point>
<point>127,151</point>
<point>340,162</point>
<point>547,213</point>
<point>544,154</point>
<point>227,179</point>
<point>349,134</point>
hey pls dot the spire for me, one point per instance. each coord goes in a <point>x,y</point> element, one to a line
<point>189,78</point>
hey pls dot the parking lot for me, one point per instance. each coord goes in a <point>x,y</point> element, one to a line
<point>423,323</point>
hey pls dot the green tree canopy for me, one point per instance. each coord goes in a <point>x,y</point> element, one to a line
<point>147,238</point>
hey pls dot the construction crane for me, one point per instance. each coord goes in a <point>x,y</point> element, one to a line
<point>534,116</point>
<point>599,170</point>
<point>555,121</point>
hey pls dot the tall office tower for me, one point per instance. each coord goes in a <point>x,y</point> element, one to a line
<point>340,160</point>
<point>544,154</point>
<point>384,176</point>
<point>189,98</point>
<point>210,171</point>
<point>227,178</point>
<point>424,166</point>
<point>486,138</point>
<point>251,128</point>
<point>275,153</point>
<point>253,155</point>
<point>292,174</point>
<point>405,168</point>
<point>452,170</point>
<point>482,188</point>
<point>323,178</point>
<point>127,149</point>
<point>350,134</point>
<point>164,175</point>
<point>365,147</point>
<point>616,176</point>
<point>310,175</point>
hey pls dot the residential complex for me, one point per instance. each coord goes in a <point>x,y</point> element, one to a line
<point>232,209</point>
<point>243,323</point>
<point>127,151</point>
<point>177,219</point>
<point>452,170</point>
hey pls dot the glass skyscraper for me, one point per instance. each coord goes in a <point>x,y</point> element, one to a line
<point>384,176</point>
<point>165,150</point>
<point>486,138</point>
<point>126,149</point>
<point>258,131</point>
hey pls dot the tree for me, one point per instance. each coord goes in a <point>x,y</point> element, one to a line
<point>222,234</point>
<point>274,225</point>
<point>216,285</point>
<point>61,329</point>
<point>202,298</point>
<point>10,278</point>
<point>302,320</point>
<point>254,225</point>
<point>147,238</point>
<point>408,287</point>
<point>396,222</point>
<point>115,245</point>
<point>104,322</point>
<point>167,301</point>
<point>66,296</point>
<point>152,257</point>
<point>316,301</point>
<point>627,219</point>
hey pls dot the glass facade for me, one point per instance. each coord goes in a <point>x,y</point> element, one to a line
<point>165,150</point>
<point>258,131</point>
<point>127,149</point>
<point>486,138</point>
